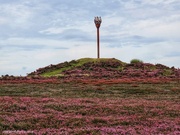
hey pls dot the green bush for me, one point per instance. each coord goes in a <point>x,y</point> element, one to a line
<point>134,61</point>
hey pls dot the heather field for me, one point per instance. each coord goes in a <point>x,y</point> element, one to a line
<point>105,107</point>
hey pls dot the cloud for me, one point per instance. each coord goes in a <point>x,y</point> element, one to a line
<point>16,15</point>
<point>152,53</point>
<point>24,42</point>
<point>158,28</point>
<point>69,34</point>
<point>38,33</point>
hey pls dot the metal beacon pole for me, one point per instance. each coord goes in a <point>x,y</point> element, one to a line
<point>97,21</point>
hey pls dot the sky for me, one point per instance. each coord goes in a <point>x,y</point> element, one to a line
<point>37,33</point>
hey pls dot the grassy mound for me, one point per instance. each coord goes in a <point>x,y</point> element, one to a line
<point>106,68</point>
<point>57,70</point>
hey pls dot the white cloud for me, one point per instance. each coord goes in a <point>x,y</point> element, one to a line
<point>2,21</point>
<point>24,42</point>
<point>37,33</point>
<point>154,53</point>
<point>157,28</point>
<point>52,30</point>
<point>16,15</point>
<point>155,2</point>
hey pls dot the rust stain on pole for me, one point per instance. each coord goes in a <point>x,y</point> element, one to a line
<point>97,21</point>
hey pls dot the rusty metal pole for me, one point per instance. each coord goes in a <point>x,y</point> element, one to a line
<point>97,21</point>
<point>98,43</point>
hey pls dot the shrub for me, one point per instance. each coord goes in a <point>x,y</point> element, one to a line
<point>134,61</point>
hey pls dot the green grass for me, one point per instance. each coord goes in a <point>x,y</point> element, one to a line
<point>56,72</point>
<point>167,72</point>
<point>134,61</point>
<point>77,63</point>
<point>86,60</point>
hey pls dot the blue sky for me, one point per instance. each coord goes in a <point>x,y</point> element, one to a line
<point>37,33</point>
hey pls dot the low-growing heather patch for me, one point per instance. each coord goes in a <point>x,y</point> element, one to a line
<point>82,108</point>
<point>100,113</point>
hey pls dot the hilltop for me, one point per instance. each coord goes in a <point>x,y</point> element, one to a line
<point>106,68</point>
<point>78,67</point>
